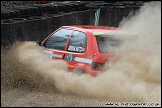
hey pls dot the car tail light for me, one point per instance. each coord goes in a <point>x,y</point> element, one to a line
<point>97,66</point>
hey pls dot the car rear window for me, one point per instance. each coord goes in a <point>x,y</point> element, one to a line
<point>108,44</point>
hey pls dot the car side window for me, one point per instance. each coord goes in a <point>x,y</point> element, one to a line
<point>78,42</point>
<point>58,39</point>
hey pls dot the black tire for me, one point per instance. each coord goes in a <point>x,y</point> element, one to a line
<point>42,8</point>
<point>33,10</point>
<point>53,9</point>
<point>5,14</point>
<point>38,9</point>
<point>13,12</point>
<point>128,2</point>
<point>60,7</point>
<point>90,6</point>
<point>118,4</point>
<point>76,7</point>
<point>9,13</point>
<point>119,13</point>
<point>79,71</point>
<point>136,7</point>
<point>128,9</point>
<point>24,11</point>
<point>139,4</point>
<point>81,4</point>
<point>110,4</point>
<point>69,7</point>
<point>17,13</point>
<point>99,4</point>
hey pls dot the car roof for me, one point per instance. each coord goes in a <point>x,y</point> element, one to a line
<point>101,30</point>
<point>92,28</point>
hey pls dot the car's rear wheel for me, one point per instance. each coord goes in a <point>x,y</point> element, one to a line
<point>79,71</point>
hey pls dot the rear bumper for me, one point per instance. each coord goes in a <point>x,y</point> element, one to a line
<point>94,73</point>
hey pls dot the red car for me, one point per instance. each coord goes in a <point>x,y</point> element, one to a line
<point>85,48</point>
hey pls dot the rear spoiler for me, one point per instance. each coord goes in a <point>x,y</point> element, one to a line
<point>128,34</point>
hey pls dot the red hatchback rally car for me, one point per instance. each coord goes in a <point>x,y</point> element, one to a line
<point>85,48</point>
